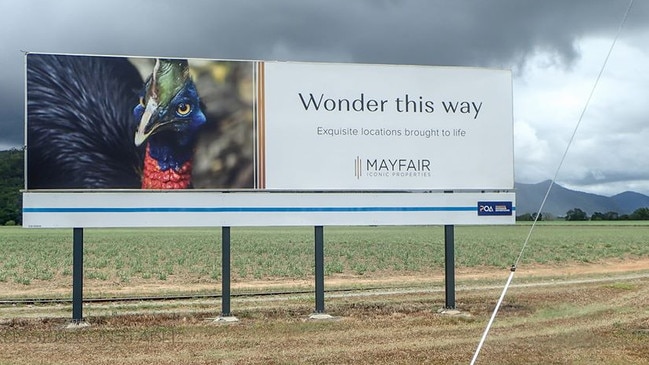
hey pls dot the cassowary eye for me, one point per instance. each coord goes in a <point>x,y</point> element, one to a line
<point>183,109</point>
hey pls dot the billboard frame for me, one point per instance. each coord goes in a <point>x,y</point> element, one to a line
<point>313,201</point>
<point>455,200</point>
<point>96,209</point>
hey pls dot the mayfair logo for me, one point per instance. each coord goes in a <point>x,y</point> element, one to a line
<point>391,167</point>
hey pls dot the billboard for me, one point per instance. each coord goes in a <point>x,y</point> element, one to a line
<point>386,127</point>
<point>139,127</point>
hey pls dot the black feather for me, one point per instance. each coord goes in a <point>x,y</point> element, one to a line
<point>80,126</point>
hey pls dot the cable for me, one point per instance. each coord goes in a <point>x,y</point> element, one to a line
<point>36,301</point>
<point>547,193</point>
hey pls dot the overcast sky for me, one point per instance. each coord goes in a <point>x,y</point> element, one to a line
<point>555,49</point>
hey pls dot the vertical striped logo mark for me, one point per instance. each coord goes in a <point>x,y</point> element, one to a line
<point>358,167</point>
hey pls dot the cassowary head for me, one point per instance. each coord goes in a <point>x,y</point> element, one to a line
<point>169,116</point>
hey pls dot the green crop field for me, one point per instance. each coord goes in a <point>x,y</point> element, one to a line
<point>31,256</point>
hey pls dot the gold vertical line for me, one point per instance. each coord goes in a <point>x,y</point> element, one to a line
<point>261,126</point>
<point>255,126</point>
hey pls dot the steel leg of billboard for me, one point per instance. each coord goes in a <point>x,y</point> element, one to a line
<point>449,265</point>
<point>319,269</point>
<point>225,316</point>
<point>77,279</point>
<point>319,275</point>
<point>225,271</point>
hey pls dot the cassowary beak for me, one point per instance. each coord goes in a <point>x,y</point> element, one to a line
<point>150,112</point>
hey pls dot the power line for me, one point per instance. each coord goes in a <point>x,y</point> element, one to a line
<point>547,193</point>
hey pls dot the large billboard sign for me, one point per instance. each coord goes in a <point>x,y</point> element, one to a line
<point>383,127</point>
<point>102,129</point>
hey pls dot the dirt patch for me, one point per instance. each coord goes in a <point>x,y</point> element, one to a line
<point>593,323</point>
<point>181,284</point>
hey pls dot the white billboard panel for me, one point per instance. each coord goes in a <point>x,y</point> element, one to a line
<point>387,127</point>
<point>214,209</point>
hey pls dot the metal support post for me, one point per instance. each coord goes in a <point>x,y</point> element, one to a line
<point>449,265</point>
<point>225,267</point>
<point>319,270</point>
<point>77,276</point>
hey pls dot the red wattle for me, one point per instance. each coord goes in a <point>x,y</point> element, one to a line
<point>155,178</point>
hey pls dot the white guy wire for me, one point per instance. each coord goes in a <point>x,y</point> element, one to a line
<point>547,193</point>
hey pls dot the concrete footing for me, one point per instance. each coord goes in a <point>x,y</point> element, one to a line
<point>226,319</point>
<point>320,316</point>
<point>73,325</point>
<point>452,312</point>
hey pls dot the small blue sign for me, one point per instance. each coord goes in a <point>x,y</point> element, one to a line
<point>495,208</point>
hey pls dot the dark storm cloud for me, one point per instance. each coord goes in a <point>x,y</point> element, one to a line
<point>423,32</point>
<point>500,33</point>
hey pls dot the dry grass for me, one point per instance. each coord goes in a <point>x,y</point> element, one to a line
<point>589,323</point>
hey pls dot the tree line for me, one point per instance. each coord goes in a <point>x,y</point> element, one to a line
<point>12,179</point>
<point>576,214</point>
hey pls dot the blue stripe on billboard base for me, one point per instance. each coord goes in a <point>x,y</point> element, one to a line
<point>247,209</point>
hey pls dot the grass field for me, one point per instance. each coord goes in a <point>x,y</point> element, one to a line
<point>580,296</point>
<point>120,257</point>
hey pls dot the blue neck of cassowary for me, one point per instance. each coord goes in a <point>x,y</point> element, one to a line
<point>166,148</point>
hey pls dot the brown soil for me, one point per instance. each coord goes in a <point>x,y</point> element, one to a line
<point>582,321</point>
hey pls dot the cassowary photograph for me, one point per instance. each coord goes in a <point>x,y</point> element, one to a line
<point>98,122</point>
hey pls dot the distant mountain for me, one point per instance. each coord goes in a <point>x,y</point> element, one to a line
<point>561,200</point>
<point>629,201</point>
